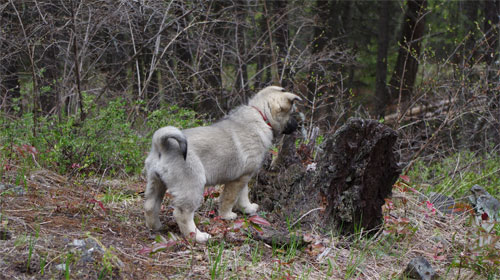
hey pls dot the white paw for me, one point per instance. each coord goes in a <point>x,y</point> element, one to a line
<point>202,237</point>
<point>250,208</point>
<point>229,216</point>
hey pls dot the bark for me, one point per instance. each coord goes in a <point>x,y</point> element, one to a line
<point>280,13</point>
<point>9,86</point>
<point>405,70</point>
<point>323,31</point>
<point>491,12</point>
<point>471,8</point>
<point>241,73</point>
<point>491,21</point>
<point>381,92</point>
<point>48,80</point>
<point>354,174</point>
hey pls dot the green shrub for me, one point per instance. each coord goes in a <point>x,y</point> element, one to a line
<point>105,142</point>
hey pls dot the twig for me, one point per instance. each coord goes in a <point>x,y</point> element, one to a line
<point>307,213</point>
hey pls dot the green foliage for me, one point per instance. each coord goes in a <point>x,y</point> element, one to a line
<point>456,174</point>
<point>105,142</point>
<point>215,257</point>
<point>172,116</point>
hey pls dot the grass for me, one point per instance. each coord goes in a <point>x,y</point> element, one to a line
<point>456,174</point>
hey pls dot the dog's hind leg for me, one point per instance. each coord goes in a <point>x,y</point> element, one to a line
<point>187,198</point>
<point>230,195</point>
<point>244,203</point>
<point>155,190</point>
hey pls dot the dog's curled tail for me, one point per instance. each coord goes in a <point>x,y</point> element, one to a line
<point>161,136</point>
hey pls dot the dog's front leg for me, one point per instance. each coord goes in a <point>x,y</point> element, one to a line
<point>244,203</point>
<point>229,197</point>
<point>185,219</point>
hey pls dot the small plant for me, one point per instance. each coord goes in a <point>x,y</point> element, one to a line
<point>480,253</point>
<point>69,259</point>
<point>256,222</point>
<point>217,267</point>
<point>256,254</point>
<point>43,261</point>
<point>161,244</point>
<point>31,245</point>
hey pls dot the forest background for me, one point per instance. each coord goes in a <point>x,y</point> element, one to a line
<point>71,71</point>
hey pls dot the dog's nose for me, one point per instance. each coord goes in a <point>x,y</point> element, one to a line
<point>291,126</point>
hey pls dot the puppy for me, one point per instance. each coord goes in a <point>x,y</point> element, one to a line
<point>227,152</point>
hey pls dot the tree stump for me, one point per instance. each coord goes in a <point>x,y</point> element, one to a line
<point>355,171</point>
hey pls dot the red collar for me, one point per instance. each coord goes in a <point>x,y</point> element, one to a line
<point>263,117</point>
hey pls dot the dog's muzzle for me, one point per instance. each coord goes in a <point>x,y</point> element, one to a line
<point>291,126</point>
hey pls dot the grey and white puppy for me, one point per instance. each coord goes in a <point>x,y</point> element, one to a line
<point>227,152</point>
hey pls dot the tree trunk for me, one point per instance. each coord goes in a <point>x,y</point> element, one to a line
<point>471,8</point>
<point>48,80</point>
<point>9,87</point>
<point>491,12</point>
<point>381,92</point>
<point>491,20</point>
<point>241,73</point>
<point>354,174</point>
<point>280,13</point>
<point>405,70</point>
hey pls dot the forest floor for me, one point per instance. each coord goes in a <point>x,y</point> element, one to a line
<point>54,227</point>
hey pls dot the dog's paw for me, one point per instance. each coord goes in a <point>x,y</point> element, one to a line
<point>153,224</point>
<point>202,237</point>
<point>229,216</point>
<point>250,208</point>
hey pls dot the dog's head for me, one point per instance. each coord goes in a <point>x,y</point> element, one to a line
<point>277,105</point>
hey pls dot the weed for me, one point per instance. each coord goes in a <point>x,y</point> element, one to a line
<point>256,254</point>
<point>114,196</point>
<point>217,267</point>
<point>31,245</point>
<point>69,259</point>
<point>20,241</point>
<point>353,263</point>
<point>43,261</point>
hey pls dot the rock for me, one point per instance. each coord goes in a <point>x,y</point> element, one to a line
<point>5,234</point>
<point>88,247</point>
<point>443,203</point>
<point>61,267</point>
<point>484,202</point>
<point>420,268</point>
<point>17,190</point>
<point>439,240</point>
<point>279,238</point>
<point>78,243</point>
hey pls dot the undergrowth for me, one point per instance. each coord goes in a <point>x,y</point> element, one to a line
<point>106,142</point>
<point>456,174</point>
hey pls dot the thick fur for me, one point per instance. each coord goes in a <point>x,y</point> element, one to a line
<point>227,152</point>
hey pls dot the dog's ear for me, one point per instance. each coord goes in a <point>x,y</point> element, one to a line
<point>292,97</point>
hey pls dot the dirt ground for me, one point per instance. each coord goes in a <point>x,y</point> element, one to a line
<point>53,227</point>
<point>45,223</point>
